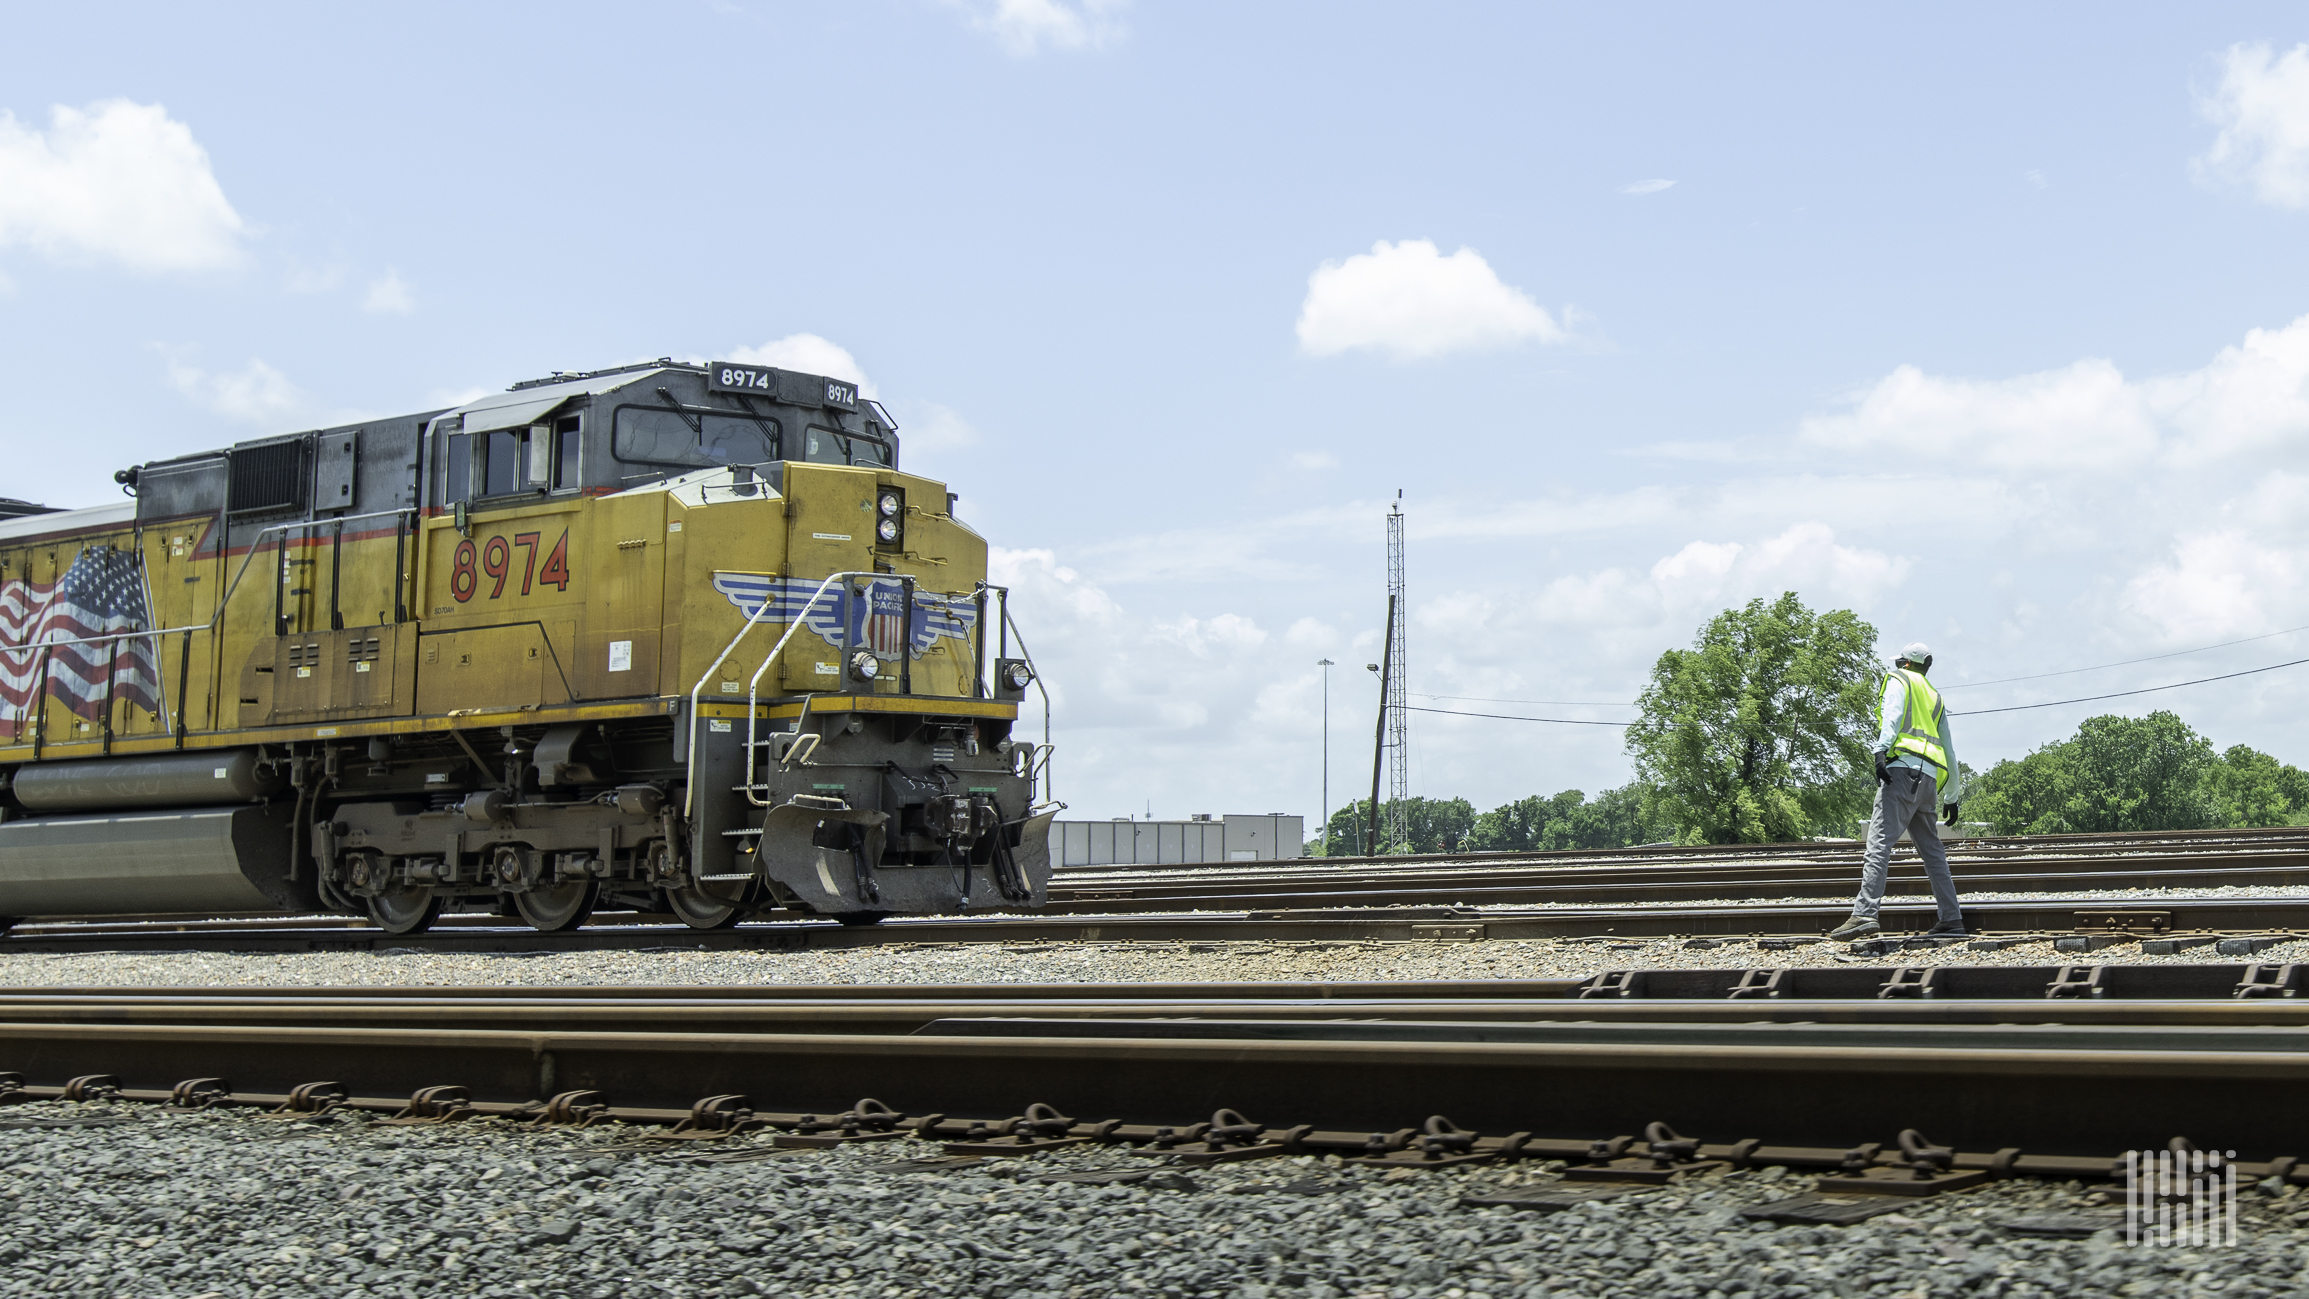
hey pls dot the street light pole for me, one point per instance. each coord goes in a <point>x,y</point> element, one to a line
<point>1325,664</point>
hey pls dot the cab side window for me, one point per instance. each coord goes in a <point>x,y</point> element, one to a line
<point>568,469</point>
<point>457,466</point>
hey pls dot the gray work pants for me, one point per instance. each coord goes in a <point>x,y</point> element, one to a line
<point>1906,801</point>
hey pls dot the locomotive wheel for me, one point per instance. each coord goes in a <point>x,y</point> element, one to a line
<point>701,910</point>
<point>407,910</point>
<point>557,908</point>
<point>858,919</point>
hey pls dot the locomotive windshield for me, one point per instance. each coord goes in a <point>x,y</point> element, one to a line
<point>654,435</point>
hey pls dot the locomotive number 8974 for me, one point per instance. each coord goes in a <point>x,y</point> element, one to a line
<point>668,638</point>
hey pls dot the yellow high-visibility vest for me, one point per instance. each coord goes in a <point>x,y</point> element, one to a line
<point>1922,719</point>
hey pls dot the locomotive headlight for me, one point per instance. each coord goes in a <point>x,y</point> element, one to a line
<point>887,529</point>
<point>1018,676</point>
<point>890,506</point>
<point>865,665</point>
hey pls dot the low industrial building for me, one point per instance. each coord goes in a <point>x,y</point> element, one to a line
<point>1125,841</point>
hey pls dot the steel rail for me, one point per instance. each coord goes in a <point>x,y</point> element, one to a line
<point>2011,999</point>
<point>2097,1093</point>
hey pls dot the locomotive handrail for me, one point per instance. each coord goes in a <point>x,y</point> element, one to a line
<point>1047,747</point>
<point>690,754</point>
<point>210,625</point>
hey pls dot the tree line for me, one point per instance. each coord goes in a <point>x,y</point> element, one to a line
<point>1761,733</point>
<point>1615,818</point>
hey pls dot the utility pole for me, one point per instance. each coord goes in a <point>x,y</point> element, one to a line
<point>1385,665</point>
<point>1326,665</point>
<point>1398,681</point>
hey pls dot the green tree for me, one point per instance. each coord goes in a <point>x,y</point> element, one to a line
<point>2248,787</point>
<point>1433,825</point>
<point>1521,826</point>
<point>2145,773</point>
<point>2023,795</point>
<point>2134,773</point>
<point>1616,818</point>
<point>1761,729</point>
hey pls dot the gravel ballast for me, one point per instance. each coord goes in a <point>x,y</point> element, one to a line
<point>237,1203</point>
<point>984,963</point>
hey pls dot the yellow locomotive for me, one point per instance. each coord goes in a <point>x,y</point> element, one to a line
<point>667,637</point>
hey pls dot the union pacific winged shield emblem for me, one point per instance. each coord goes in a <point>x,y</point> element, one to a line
<point>843,618</point>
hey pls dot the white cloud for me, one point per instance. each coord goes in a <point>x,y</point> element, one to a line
<point>2216,584</point>
<point>1026,27</point>
<point>2087,417</point>
<point>1408,300</point>
<point>809,354</point>
<point>1642,187</point>
<point>2262,108</point>
<point>254,394</point>
<point>2036,180</point>
<point>1314,460</point>
<point>389,294</point>
<point>116,182</point>
<point>2082,416</point>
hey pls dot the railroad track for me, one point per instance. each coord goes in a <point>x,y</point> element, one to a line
<point>2011,1086</point>
<point>2258,858</point>
<point>1627,892</point>
<point>2235,926</point>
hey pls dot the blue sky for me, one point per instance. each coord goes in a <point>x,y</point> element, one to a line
<point>1977,320</point>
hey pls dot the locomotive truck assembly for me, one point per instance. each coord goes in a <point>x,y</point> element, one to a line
<point>670,637</point>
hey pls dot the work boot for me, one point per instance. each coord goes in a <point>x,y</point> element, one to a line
<point>1854,929</point>
<point>1948,930</point>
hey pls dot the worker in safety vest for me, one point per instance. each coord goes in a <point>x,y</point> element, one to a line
<point>1916,771</point>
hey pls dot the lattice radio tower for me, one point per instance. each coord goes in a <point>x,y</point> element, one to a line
<point>1398,697</point>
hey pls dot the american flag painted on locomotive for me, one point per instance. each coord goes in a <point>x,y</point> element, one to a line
<point>842,619</point>
<point>102,592</point>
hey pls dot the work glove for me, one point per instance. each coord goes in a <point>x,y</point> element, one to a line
<point>1948,813</point>
<point>1883,769</point>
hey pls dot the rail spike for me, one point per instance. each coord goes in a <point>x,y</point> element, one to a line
<point>92,1087</point>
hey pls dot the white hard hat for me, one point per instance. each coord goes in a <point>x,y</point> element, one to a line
<point>1916,651</point>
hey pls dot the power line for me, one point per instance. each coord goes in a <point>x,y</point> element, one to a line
<point>2016,708</point>
<point>1557,703</point>
<point>1564,721</point>
<point>2067,672</point>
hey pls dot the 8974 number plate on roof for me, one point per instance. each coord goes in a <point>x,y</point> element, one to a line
<point>762,380</point>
